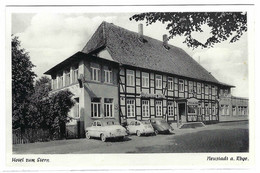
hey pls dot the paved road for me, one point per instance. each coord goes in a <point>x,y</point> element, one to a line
<point>222,137</point>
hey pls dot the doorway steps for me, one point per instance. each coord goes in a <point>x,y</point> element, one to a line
<point>191,125</point>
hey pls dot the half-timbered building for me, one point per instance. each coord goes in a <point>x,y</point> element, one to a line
<point>126,75</point>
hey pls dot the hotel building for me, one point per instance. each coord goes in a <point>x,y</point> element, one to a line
<point>123,75</point>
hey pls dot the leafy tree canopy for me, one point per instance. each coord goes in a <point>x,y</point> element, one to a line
<point>224,25</point>
<point>22,84</point>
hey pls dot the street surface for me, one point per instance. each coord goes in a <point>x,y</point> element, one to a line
<point>222,137</point>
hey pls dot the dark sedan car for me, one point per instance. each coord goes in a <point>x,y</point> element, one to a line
<point>161,126</point>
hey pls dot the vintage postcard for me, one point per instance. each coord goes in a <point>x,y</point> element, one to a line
<point>115,87</point>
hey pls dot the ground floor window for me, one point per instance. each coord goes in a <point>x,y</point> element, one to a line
<point>222,109</point>
<point>108,108</point>
<point>95,108</point>
<point>213,109</point>
<point>234,110</point>
<point>207,108</point>
<point>158,107</point>
<point>227,110</point>
<point>199,109</point>
<point>170,109</point>
<point>145,108</point>
<point>130,103</point>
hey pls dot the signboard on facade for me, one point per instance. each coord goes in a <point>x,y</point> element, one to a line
<point>192,101</point>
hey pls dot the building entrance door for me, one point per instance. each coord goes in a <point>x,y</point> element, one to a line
<point>182,113</point>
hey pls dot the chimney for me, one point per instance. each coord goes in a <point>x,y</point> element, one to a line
<point>165,41</point>
<point>140,32</point>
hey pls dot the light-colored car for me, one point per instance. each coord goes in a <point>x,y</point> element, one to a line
<point>105,129</point>
<point>140,127</point>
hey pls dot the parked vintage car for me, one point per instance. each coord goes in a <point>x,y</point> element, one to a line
<point>160,126</point>
<point>140,127</point>
<point>105,129</point>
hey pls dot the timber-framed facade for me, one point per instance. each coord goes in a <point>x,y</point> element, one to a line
<point>124,75</point>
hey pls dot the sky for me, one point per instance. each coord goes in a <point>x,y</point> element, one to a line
<point>52,37</point>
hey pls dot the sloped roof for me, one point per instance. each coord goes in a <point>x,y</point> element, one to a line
<point>125,48</point>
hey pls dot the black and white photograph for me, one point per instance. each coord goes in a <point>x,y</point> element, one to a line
<point>130,82</point>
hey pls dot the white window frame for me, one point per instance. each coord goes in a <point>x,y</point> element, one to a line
<point>145,108</point>
<point>75,75</point>
<point>213,90</point>
<point>170,83</point>
<point>206,89</point>
<point>199,88</point>
<point>108,76</point>
<point>95,74</point>
<point>207,109</point>
<point>76,113</point>
<point>227,110</point>
<point>158,81</point>
<point>60,81</point>
<point>190,87</point>
<point>130,106</point>
<point>213,109</point>
<point>145,79</point>
<point>130,77</point>
<point>181,85</point>
<point>108,108</point>
<point>199,109</point>
<point>234,110</point>
<point>158,108</point>
<point>170,108</point>
<point>54,83</point>
<point>67,78</point>
<point>96,113</point>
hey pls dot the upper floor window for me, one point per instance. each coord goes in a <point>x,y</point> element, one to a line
<point>67,77</point>
<point>95,74</point>
<point>145,79</point>
<point>225,92</point>
<point>75,74</point>
<point>170,83</point>
<point>108,76</point>
<point>190,87</point>
<point>181,85</point>
<point>213,90</point>
<point>54,84</point>
<point>130,77</point>
<point>60,81</point>
<point>158,81</point>
<point>206,89</point>
<point>199,88</point>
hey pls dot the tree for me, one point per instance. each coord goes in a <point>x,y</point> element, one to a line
<point>223,25</point>
<point>41,91</point>
<point>50,110</point>
<point>22,85</point>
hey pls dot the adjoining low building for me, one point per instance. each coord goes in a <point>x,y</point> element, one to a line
<point>125,75</point>
<point>232,108</point>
